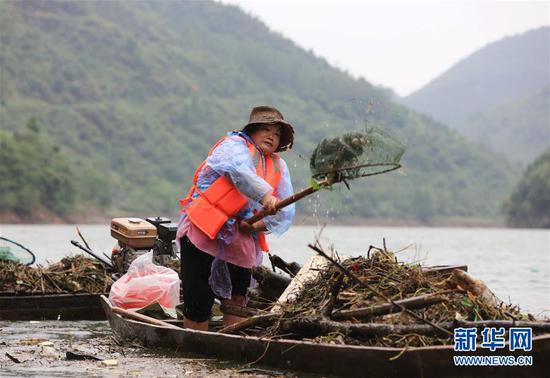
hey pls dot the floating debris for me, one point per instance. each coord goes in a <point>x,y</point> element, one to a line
<point>79,356</point>
<point>375,300</point>
<point>48,350</point>
<point>71,275</point>
<point>109,362</point>
<point>31,341</point>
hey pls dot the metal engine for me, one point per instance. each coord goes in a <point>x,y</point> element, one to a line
<point>137,236</point>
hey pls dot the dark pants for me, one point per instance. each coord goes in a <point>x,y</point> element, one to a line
<point>198,297</point>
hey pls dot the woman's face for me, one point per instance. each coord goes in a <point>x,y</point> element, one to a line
<point>267,137</point>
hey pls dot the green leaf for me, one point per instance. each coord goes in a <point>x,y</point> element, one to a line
<point>314,184</point>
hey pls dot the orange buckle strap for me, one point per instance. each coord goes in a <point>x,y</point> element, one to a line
<point>262,242</point>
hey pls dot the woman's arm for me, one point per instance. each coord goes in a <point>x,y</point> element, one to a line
<point>232,160</point>
<point>279,223</point>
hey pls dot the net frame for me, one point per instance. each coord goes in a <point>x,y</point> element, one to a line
<point>358,163</point>
<point>338,174</point>
<point>28,258</point>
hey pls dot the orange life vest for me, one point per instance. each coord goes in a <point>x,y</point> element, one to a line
<point>222,200</point>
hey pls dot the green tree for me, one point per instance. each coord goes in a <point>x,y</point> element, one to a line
<point>35,175</point>
<point>135,94</point>
<point>529,205</point>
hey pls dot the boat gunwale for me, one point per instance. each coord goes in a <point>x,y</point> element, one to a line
<point>70,307</point>
<point>448,347</point>
<point>4,295</point>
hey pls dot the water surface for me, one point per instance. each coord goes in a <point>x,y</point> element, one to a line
<point>514,263</point>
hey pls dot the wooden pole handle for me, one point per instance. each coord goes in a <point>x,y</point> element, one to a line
<point>285,202</point>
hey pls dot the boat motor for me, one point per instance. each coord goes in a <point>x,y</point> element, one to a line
<point>137,236</point>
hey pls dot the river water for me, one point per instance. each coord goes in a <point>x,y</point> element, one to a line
<point>514,263</point>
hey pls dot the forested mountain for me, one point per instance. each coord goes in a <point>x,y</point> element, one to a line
<point>38,181</point>
<point>498,96</point>
<point>519,130</point>
<point>529,205</point>
<point>136,92</point>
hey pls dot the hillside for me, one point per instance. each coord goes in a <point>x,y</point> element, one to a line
<point>518,130</point>
<point>498,96</point>
<point>529,204</point>
<point>39,182</point>
<point>139,92</point>
<point>496,74</point>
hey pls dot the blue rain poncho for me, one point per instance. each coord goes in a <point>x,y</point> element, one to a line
<point>232,159</point>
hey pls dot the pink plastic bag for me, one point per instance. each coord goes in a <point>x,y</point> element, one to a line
<point>146,283</point>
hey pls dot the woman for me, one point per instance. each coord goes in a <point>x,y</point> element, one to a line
<point>243,173</point>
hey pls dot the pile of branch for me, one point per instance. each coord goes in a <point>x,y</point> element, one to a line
<point>376,300</point>
<point>174,264</point>
<point>71,275</point>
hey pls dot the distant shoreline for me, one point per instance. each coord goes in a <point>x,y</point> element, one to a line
<point>44,217</point>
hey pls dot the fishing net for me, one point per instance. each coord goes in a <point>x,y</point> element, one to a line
<point>356,154</point>
<point>13,251</point>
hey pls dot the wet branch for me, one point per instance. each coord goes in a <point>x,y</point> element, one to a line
<point>378,293</point>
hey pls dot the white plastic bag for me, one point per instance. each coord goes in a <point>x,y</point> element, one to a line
<point>146,283</point>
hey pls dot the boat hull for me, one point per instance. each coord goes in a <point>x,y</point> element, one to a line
<point>436,361</point>
<point>51,307</point>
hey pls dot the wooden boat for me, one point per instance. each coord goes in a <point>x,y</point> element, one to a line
<point>341,360</point>
<point>51,307</point>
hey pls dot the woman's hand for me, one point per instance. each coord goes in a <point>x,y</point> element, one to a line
<point>248,228</point>
<point>269,203</point>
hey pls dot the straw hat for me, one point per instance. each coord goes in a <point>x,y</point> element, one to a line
<point>267,115</point>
